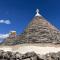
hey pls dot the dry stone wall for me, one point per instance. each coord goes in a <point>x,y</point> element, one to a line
<point>28,56</point>
<point>41,31</point>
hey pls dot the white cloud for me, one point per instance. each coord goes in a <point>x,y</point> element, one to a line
<point>1,21</point>
<point>4,35</point>
<point>5,21</point>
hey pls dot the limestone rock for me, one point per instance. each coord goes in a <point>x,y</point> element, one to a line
<point>41,31</point>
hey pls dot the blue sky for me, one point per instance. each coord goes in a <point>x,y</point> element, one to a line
<point>16,14</point>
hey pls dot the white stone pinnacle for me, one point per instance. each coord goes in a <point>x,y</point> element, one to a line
<point>37,13</point>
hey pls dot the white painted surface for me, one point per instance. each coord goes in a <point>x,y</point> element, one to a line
<point>29,48</point>
<point>37,13</point>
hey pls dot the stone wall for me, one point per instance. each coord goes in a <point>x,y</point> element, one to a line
<point>28,56</point>
<point>17,56</point>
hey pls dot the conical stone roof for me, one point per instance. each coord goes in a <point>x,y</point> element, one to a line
<point>40,30</point>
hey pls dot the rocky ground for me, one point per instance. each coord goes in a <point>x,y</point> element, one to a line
<point>28,56</point>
